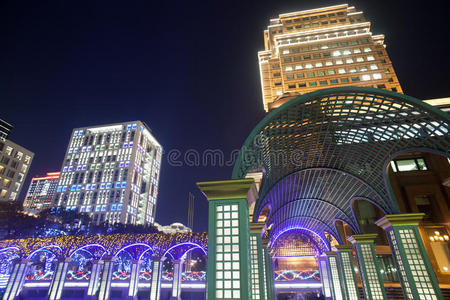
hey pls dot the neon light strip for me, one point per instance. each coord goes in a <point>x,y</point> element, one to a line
<point>280,286</point>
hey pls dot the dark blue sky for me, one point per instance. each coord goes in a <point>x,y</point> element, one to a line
<point>187,68</point>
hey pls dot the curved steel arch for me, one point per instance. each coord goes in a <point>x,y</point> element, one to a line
<point>306,222</point>
<point>87,246</point>
<point>315,208</point>
<point>313,233</point>
<point>195,246</point>
<point>46,248</point>
<point>133,245</point>
<point>351,129</point>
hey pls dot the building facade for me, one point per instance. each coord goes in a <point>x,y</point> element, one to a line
<point>15,162</point>
<point>111,173</point>
<point>320,48</point>
<point>41,192</point>
<point>5,129</point>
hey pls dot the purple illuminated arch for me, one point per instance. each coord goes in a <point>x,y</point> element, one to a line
<point>302,228</point>
<point>9,248</point>
<point>83,248</point>
<point>133,245</point>
<point>45,248</point>
<point>187,251</point>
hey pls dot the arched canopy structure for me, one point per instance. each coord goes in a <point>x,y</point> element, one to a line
<point>320,150</point>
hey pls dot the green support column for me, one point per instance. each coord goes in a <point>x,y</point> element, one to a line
<point>268,271</point>
<point>257,266</point>
<point>59,278</point>
<point>324,276</point>
<point>416,273</point>
<point>333,272</point>
<point>17,279</point>
<point>369,269</point>
<point>347,271</point>
<point>228,238</point>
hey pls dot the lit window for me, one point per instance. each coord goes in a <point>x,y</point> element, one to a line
<point>404,165</point>
<point>320,73</point>
<point>367,49</point>
<point>339,62</point>
<point>357,50</point>
<point>359,59</point>
<point>376,76</point>
<point>366,77</point>
<point>323,82</point>
<point>341,71</point>
<point>373,67</point>
<point>328,63</point>
<point>352,70</point>
<point>346,52</point>
<point>344,80</point>
<point>363,69</point>
<point>285,51</point>
<point>370,58</point>
<point>312,84</point>
<point>333,81</point>
<point>331,72</point>
<point>336,53</point>
<point>288,68</point>
<point>308,66</point>
<point>279,93</point>
<point>298,67</point>
<point>319,64</point>
<point>349,60</point>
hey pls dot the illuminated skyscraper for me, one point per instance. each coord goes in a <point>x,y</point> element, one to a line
<point>41,192</point>
<point>111,172</point>
<point>322,48</point>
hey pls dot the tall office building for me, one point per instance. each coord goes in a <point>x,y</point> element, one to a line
<point>322,48</point>
<point>41,192</point>
<point>111,172</point>
<point>15,162</point>
<point>5,129</point>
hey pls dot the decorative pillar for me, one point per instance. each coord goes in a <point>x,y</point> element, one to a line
<point>257,267</point>
<point>369,269</point>
<point>157,268</point>
<point>415,271</point>
<point>347,271</point>
<point>228,238</point>
<point>176,283</point>
<point>17,279</point>
<point>268,271</point>
<point>333,272</point>
<point>105,282</point>
<point>324,276</point>
<point>134,279</point>
<point>59,278</point>
<point>95,278</point>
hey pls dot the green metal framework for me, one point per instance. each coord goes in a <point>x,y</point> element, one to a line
<point>321,151</point>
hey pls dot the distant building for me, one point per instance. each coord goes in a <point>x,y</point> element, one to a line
<point>5,129</point>
<point>321,48</point>
<point>41,192</point>
<point>173,228</point>
<point>15,162</point>
<point>111,173</point>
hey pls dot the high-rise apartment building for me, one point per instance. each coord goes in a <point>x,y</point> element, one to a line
<point>41,192</point>
<point>322,48</point>
<point>111,173</point>
<point>15,162</point>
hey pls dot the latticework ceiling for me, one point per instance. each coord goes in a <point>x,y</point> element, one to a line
<point>322,150</point>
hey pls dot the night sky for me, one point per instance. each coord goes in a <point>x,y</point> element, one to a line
<point>188,69</point>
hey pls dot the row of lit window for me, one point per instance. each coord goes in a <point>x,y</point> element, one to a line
<point>79,187</point>
<point>329,63</point>
<point>315,24</point>
<point>332,81</point>
<point>328,46</point>
<point>329,72</point>
<point>18,154</point>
